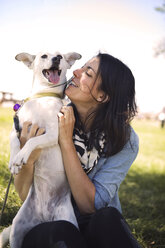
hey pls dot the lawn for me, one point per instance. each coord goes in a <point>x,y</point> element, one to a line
<point>142,193</point>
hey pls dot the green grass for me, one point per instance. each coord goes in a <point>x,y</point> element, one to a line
<point>142,193</point>
<point>13,202</point>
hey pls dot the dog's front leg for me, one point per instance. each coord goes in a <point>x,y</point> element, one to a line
<point>14,149</point>
<point>50,138</point>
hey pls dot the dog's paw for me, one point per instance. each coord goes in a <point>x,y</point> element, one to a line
<point>14,169</point>
<point>20,159</point>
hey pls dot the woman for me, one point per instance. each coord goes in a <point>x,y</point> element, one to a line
<point>98,147</point>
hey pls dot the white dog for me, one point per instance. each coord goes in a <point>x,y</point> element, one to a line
<point>49,196</point>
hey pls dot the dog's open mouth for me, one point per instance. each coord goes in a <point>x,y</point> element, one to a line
<point>52,75</point>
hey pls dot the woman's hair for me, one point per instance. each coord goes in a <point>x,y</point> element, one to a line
<point>113,116</point>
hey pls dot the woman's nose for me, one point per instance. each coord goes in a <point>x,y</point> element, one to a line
<point>77,72</point>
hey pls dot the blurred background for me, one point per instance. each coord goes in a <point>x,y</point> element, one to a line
<point>130,30</point>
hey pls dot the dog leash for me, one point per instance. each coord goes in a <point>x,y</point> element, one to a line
<point>6,195</point>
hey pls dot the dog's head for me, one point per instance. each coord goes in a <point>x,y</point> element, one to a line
<point>49,69</point>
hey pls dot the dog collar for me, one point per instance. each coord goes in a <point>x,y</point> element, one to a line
<point>42,94</point>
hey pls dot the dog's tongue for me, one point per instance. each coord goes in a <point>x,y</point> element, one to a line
<point>54,77</point>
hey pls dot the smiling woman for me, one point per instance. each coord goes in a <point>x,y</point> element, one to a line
<point>86,89</point>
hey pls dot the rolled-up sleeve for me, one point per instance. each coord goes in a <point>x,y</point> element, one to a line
<point>113,171</point>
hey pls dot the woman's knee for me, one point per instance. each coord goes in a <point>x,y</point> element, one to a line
<point>49,233</point>
<point>108,228</point>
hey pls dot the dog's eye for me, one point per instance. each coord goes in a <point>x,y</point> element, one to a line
<point>44,56</point>
<point>59,56</point>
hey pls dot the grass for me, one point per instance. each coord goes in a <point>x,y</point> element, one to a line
<point>142,193</point>
<point>13,202</point>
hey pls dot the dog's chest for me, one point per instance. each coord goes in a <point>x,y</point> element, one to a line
<point>42,111</point>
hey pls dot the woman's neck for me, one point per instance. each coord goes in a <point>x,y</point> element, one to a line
<point>86,116</point>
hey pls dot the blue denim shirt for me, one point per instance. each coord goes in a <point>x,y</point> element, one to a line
<point>108,173</point>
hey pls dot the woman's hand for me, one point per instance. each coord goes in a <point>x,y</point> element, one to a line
<point>66,125</point>
<point>30,131</point>
<point>83,190</point>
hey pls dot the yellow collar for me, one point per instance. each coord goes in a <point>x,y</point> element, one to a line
<point>42,94</point>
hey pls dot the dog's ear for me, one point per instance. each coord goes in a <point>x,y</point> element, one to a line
<point>71,58</point>
<point>26,58</point>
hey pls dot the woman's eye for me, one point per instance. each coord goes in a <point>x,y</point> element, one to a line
<point>88,74</point>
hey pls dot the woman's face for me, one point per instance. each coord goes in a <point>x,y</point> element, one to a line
<point>85,84</point>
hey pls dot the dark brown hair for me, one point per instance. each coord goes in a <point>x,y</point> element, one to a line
<point>113,116</point>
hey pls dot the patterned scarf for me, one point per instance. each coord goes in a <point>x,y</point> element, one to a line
<point>88,158</point>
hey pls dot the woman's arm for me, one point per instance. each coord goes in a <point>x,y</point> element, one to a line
<point>112,171</point>
<point>24,178</point>
<point>82,188</point>
<point>101,189</point>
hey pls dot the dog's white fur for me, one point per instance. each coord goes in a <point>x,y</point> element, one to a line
<point>49,196</point>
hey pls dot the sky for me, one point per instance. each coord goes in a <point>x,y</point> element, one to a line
<point>127,29</point>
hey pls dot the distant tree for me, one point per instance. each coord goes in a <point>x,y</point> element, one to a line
<point>160,49</point>
<point>161,8</point>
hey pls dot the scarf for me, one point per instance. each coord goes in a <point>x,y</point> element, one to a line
<point>88,157</point>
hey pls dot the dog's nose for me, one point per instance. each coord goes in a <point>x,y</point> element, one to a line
<point>56,60</point>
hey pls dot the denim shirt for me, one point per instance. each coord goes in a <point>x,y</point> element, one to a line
<point>108,173</point>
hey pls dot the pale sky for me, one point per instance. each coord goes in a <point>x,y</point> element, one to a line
<point>127,29</point>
